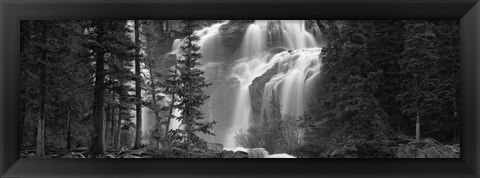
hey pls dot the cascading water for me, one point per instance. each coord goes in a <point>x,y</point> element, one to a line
<point>297,69</point>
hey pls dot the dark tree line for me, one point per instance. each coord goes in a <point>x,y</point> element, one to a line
<point>383,79</point>
<point>82,83</point>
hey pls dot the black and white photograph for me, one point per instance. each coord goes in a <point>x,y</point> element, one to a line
<point>239,89</point>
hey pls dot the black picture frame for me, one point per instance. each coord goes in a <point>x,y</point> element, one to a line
<point>467,11</point>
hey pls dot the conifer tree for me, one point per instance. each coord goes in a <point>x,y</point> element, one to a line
<point>138,87</point>
<point>417,63</point>
<point>272,124</point>
<point>106,39</point>
<point>191,83</point>
<point>348,107</point>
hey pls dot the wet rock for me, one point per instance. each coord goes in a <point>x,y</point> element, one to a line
<point>232,37</point>
<point>275,33</point>
<point>228,154</point>
<point>241,154</point>
<point>277,50</point>
<point>256,92</point>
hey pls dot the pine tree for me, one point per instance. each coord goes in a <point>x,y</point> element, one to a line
<point>417,63</point>
<point>157,65</point>
<point>272,125</point>
<point>106,39</point>
<point>347,106</point>
<point>171,88</point>
<point>190,82</point>
<point>138,88</point>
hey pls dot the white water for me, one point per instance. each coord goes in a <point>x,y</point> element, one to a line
<point>294,79</point>
<point>296,68</point>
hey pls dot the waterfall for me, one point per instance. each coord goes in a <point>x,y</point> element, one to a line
<point>296,35</point>
<point>297,68</point>
<point>255,40</point>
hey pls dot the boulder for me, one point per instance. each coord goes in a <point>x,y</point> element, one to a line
<point>241,154</point>
<point>228,154</point>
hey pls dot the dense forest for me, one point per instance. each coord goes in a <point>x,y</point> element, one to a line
<point>218,89</point>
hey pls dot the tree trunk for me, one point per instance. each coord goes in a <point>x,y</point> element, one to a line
<point>22,122</point>
<point>120,110</point>
<point>41,120</point>
<point>97,144</point>
<point>172,103</point>
<point>417,123</point>
<point>108,107</point>
<point>43,82</point>
<point>154,98</point>
<point>169,115</point>
<point>112,126</point>
<point>138,93</point>
<point>119,124</point>
<point>417,127</point>
<point>68,130</point>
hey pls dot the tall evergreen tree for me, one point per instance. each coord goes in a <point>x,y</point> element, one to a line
<point>190,92</point>
<point>106,38</point>
<point>138,87</point>
<point>417,63</point>
<point>157,65</point>
<point>347,105</point>
<point>272,125</point>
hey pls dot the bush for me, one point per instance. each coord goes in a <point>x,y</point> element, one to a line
<point>279,136</point>
<point>176,152</point>
<point>251,138</point>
